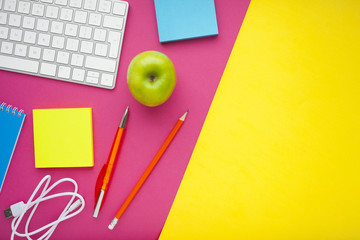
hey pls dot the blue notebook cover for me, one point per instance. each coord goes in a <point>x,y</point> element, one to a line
<point>185,19</point>
<point>11,122</point>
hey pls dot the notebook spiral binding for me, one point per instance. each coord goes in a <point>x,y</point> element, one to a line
<point>10,108</point>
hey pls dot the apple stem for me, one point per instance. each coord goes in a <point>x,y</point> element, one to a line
<point>152,77</point>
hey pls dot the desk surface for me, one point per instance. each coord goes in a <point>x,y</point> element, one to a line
<point>199,64</point>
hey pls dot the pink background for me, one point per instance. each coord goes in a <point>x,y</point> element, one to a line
<point>199,65</point>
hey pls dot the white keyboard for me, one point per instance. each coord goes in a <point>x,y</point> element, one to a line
<point>70,40</point>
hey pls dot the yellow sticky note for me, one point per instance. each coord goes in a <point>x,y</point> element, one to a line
<point>63,138</point>
<point>278,156</point>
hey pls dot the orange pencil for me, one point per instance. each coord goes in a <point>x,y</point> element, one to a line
<point>100,193</point>
<point>147,171</point>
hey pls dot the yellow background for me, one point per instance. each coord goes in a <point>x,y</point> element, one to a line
<point>278,156</point>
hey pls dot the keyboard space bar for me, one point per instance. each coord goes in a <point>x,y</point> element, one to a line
<point>19,64</point>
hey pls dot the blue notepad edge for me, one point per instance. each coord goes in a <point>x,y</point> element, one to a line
<point>23,116</point>
<point>198,19</point>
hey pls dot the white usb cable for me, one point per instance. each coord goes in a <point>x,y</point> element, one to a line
<point>19,209</point>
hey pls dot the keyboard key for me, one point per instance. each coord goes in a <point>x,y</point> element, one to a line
<point>14,20</point>
<point>72,44</point>
<point>85,32</point>
<point>101,49</point>
<point>115,42</point>
<point>77,60</point>
<point>47,1</point>
<point>52,12</point>
<point>63,57</point>
<point>49,55</point>
<point>80,17</point>
<point>99,34</point>
<point>107,79</point>
<point>57,27</point>
<point>104,6</point>
<point>86,47</point>
<point>38,9</point>
<point>48,69</point>
<point>113,22</point>
<point>95,19</point>
<point>66,14</point>
<point>78,74</point>
<point>75,3</point>
<point>71,29</point>
<point>42,25</point>
<point>19,64</point>
<point>93,74</point>
<point>92,80</point>
<point>61,2</point>
<point>15,35</point>
<point>28,22</point>
<point>64,72</point>
<point>44,39</point>
<point>20,50</point>
<point>119,8</point>
<point>34,52</point>
<point>101,64</point>
<point>24,7</point>
<point>10,5</point>
<point>92,77</point>
<point>4,31</point>
<point>90,5</point>
<point>29,37</point>
<point>3,18</point>
<point>58,42</point>
<point>7,47</point>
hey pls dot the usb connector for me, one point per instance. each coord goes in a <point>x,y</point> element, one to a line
<point>8,213</point>
<point>15,210</point>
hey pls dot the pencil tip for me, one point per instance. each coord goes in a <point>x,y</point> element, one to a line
<point>184,116</point>
<point>124,118</point>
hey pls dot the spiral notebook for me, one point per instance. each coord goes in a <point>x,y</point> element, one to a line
<point>11,122</point>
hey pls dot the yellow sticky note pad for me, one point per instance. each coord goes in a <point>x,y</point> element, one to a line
<point>63,138</point>
<point>278,156</point>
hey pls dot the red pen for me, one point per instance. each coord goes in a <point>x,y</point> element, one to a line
<point>106,172</point>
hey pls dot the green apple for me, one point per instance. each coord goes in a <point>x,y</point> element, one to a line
<point>151,78</point>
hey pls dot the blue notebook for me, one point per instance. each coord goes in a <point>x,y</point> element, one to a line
<point>185,19</point>
<point>11,122</point>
